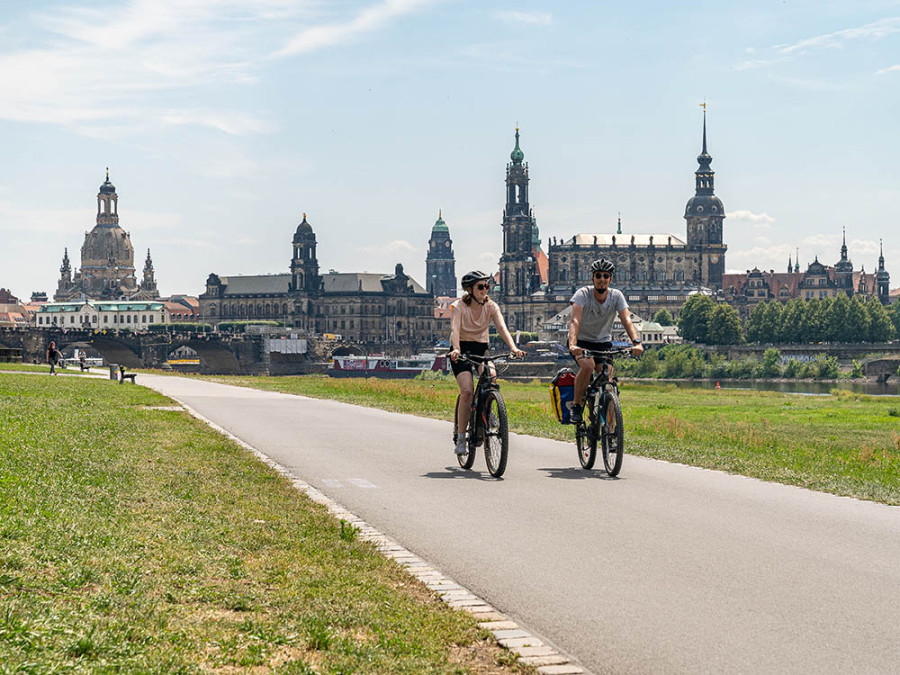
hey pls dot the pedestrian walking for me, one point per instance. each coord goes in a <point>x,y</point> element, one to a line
<point>53,357</point>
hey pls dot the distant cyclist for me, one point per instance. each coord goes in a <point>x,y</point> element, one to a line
<point>471,318</point>
<point>594,308</point>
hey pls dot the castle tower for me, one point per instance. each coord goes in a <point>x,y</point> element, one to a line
<point>843,270</point>
<point>704,214</point>
<point>882,278</point>
<point>517,262</point>
<point>440,263</point>
<point>148,285</point>
<point>304,264</point>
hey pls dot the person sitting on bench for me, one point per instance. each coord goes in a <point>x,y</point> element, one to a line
<point>125,376</point>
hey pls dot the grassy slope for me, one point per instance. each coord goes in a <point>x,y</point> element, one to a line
<point>844,443</point>
<point>139,540</point>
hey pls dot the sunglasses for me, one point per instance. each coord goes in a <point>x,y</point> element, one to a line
<point>602,275</point>
<point>482,287</point>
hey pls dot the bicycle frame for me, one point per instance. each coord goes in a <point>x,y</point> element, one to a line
<point>484,382</point>
<point>603,423</point>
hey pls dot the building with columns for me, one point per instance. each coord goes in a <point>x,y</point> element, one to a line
<point>107,260</point>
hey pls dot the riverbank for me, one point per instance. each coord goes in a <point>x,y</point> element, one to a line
<point>843,443</point>
<point>133,538</point>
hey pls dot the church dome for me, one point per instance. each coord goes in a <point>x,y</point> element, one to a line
<point>304,227</point>
<point>704,205</point>
<point>440,227</point>
<point>107,188</point>
<point>517,155</point>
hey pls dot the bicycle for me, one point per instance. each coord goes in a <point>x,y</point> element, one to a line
<point>604,417</point>
<point>488,423</point>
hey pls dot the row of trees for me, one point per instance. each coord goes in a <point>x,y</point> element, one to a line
<point>685,361</point>
<point>838,319</point>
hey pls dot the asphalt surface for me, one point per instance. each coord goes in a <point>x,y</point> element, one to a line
<point>666,569</point>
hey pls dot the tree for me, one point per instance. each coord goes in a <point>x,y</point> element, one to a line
<point>881,329</point>
<point>774,321</point>
<point>663,317</point>
<point>858,324</point>
<point>836,319</point>
<point>792,322</point>
<point>755,328</point>
<point>693,320</point>
<point>770,365</point>
<point>811,322</point>
<point>724,326</point>
<point>894,313</point>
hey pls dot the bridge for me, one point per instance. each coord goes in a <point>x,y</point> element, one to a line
<point>882,369</point>
<point>219,353</point>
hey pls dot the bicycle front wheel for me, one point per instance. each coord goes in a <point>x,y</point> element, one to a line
<point>468,459</point>
<point>613,435</point>
<point>496,433</point>
<point>586,437</point>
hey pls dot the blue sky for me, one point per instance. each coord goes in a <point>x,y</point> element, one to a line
<point>223,121</point>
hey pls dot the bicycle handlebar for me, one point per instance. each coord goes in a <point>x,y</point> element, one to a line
<point>609,353</point>
<point>475,359</point>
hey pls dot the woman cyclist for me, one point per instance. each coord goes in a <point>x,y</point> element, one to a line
<point>471,318</point>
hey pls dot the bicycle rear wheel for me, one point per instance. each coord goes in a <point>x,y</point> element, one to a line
<point>613,434</point>
<point>496,433</point>
<point>468,459</point>
<point>586,437</point>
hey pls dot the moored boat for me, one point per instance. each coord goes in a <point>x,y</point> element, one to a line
<point>379,365</point>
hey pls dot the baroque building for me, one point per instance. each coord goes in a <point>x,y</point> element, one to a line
<point>107,260</point>
<point>654,270</point>
<point>440,262</point>
<point>818,281</point>
<point>360,307</point>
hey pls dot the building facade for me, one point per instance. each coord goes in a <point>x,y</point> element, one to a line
<point>360,307</point>
<point>654,271</point>
<point>107,260</point>
<point>101,315</point>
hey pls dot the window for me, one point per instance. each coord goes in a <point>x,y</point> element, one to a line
<point>634,298</point>
<point>144,318</point>
<point>106,319</point>
<point>94,319</point>
<point>71,319</point>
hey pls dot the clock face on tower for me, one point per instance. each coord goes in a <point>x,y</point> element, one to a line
<point>447,243</point>
<point>713,258</point>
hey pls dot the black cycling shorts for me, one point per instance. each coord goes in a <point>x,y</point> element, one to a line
<point>593,346</point>
<point>466,347</point>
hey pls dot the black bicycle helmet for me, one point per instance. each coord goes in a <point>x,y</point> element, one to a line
<point>473,277</point>
<point>603,265</point>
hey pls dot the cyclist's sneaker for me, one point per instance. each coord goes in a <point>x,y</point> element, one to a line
<point>577,411</point>
<point>461,445</point>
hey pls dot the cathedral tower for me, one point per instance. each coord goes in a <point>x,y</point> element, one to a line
<point>517,263</point>
<point>882,278</point>
<point>843,270</point>
<point>704,214</point>
<point>440,263</point>
<point>305,265</point>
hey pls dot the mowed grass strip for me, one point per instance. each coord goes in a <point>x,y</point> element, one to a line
<point>845,444</point>
<point>138,540</point>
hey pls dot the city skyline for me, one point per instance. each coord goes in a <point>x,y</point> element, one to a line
<point>373,116</point>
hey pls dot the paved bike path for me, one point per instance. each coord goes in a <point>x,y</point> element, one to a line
<point>667,569</point>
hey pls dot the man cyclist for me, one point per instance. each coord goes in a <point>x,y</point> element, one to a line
<point>594,308</point>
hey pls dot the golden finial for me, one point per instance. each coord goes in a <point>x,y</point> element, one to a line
<point>107,173</point>
<point>304,215</point>
<point>440,215</point>
<point>703,105</point>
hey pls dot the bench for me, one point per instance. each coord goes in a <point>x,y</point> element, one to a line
<point>125,376</point>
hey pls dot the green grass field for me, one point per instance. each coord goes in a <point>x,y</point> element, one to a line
<point>134,539</point>
<point>845,444</point>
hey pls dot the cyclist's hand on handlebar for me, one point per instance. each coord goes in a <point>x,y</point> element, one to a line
<point>577,352</point>
<point>637,350</point>
<point>516,354</point>
<point>453,354</point>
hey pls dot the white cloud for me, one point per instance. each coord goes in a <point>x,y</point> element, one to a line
<point>836,40</point>
<point>366,21</point>
<point>98,69</point>
<point>871,31</point>
<point>760,221</point>
<point>530,18</point>
<point>889,69</point>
